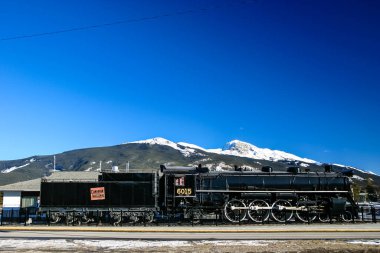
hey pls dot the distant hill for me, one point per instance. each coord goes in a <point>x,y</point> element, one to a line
<point>150,154</point>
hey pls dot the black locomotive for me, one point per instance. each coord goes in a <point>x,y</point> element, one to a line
<point>195,193</point>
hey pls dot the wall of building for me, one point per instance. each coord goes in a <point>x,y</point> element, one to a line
<point>12,199</point>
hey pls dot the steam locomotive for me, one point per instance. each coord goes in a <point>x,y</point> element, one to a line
<point>195,194</point>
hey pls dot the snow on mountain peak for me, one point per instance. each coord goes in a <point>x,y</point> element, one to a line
<point>245,149</point>
<point>191,146</point>
<point>241,147</point>
<point>157,140</point>
<point>186,150</point>
<point>234,147</point>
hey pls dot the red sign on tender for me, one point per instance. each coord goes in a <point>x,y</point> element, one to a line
<point>97,193</point>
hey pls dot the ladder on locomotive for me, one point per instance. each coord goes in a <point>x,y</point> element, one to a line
<point>169,194</point>
<point>170,203</point>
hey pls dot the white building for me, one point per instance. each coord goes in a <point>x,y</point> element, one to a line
<point>21,194</point>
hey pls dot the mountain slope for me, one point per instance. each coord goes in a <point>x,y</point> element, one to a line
<point>149,154</point>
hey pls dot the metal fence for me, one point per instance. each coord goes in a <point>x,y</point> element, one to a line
<point>369,213</point>
<point>33,216</point>
<point>26,216</point>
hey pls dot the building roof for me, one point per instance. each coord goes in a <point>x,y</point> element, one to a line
<point>35,184</point>
<point>73,176</point>
<point>30,185</point>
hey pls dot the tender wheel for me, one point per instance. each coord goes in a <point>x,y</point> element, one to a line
<point>85,219</point>
<point>54,218</point>
<point>347,216</point>
<point>69,218</point>
<point>148,217</point>
<point>279,212</point>
<point>132,218</point>
<point>232,210</point>
<point>115,218</point>
<point>304,215</point>
<point>73,218</point>
<point>255,213</point>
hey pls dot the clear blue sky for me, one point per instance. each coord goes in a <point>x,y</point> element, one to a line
<point>298,76</point>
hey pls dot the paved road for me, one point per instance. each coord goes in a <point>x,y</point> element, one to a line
<point>297,232</point>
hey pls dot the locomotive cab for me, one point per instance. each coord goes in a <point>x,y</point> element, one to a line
<point>177,188</point>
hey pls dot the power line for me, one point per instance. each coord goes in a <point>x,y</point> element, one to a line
<point>126,21</point>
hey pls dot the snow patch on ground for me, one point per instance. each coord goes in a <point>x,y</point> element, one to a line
<point>366,242</point>
<point>250,168</point>
<point>205,160</point>
<point>237,243</point>
<point>14,168</point>
<point>102,245</point>
<point>191,146</point>
<point>83,245</point>
<point>130,244</point>
<point>221,166</point>
<point>358,178</point>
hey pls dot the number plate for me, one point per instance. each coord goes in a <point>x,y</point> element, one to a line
<point>184,191</point>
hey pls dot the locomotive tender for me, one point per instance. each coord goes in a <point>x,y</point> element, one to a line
<point>195,193</point>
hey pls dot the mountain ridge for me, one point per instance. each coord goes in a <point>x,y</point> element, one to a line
<point>243,149</point>
<point>150,153</point>
<point>234,147</point>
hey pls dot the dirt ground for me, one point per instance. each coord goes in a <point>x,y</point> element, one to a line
<point>277,246</point>
<point>291,246</point>
<point>283,246</point>
<point>296,246</point>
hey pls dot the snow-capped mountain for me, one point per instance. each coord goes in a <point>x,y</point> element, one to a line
<point>244,149</point>
<point>185,149</point>
<point>235,148</point>
<point>147,155</point>
<point>240,149</point>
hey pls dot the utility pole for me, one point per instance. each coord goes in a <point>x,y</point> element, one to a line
<point>54,164</point>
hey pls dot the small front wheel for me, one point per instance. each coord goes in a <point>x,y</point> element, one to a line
<point>347,216</point>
